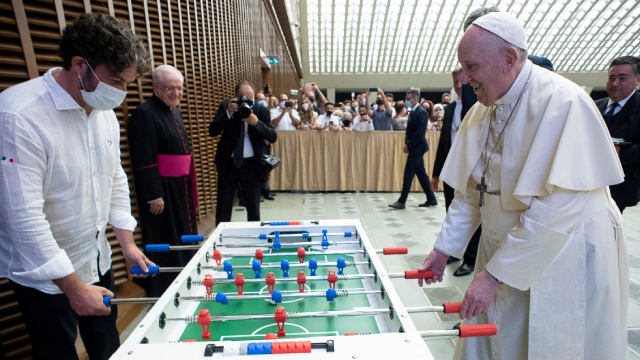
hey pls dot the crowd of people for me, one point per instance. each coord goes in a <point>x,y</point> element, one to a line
<point>310,110</point>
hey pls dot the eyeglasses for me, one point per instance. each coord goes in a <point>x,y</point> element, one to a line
<point>174,88</point>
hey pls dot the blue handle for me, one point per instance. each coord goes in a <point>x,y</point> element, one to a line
<point>305,235</point>
<point>106,300</point>
<point>192,238</point>
<point>153,269</point>
<point>157,248</point>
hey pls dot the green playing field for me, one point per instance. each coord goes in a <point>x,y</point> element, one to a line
<point>305,327</point>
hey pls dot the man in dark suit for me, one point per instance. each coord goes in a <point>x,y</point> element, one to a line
<point>415,145</point>
<point>621,113</point>
<point>239,155</point>
<point>453,116</point>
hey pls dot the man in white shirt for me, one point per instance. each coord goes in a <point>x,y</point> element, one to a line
<point>326,121</point>
<point>362,122</point>
<point>65,184</point>
<point>285,117</point>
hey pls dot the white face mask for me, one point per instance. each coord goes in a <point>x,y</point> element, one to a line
<point>347,108</point>
<point>104,97</point>
<point>305,107</point>
<point>295,106</point>
<point>282,104</point>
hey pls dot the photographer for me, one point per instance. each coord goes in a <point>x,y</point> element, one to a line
<point>244,128</point>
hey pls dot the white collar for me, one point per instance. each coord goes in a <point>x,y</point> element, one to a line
<point>516,89</point>
<point>622,102</point>
<point>60,97</point>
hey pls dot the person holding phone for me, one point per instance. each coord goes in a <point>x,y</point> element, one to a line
<point>362,122</point>
<point>324,120</point>
<point>382,114</point>
<point>283,116</point>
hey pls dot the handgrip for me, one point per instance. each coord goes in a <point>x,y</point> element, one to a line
<point>452,308</point>
<point>395,251</point>
<point>477,330</point>
<point>153,269</point>
<point>157,248</point>
<point>192,238</point>
<point>106,300</point>
<point>415,274</point>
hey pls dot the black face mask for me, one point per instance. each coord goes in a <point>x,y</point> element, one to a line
<point>312,99</point>
<point>379,102</point>
<point>329,113</point>
<point>446,102</point>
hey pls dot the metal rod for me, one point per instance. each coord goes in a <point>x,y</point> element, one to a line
<point>282,236</point>
<point>290,295</point>
<point>330,252</point>
<point>440,333</point>
<point>170,269</point>
<point>426,309</point>
<point>310,278</point>
<point>312,314</point>
<point>270,245</point>
<point>184,247</point>
<point>149,300</point>
<point>294,265</point>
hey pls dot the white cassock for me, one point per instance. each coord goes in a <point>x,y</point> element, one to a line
<point>550,231</point>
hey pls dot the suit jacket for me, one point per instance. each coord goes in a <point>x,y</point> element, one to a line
<point>230,130</point>
<point>626,125</point>
<point>469,98</point>
<point>415,135</point>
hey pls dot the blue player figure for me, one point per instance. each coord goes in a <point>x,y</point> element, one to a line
<point>256,266</point>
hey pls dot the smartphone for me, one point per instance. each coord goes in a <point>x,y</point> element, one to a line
<point>353,95</point>
<point>373,89</point>
<point>288,104</point>
<point>334,122</point>
<point>266,88</point>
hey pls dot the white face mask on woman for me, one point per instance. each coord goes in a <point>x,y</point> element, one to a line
<point>305,107</point>
<point>104,97</point>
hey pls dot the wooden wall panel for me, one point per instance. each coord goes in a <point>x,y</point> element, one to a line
<point>214,43</point>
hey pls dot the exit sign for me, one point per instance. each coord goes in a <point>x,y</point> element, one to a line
<point>274,61</point>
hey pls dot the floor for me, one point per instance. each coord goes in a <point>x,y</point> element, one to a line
<point>417,229</point>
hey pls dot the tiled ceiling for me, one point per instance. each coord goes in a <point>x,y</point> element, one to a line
<point>421,36</point>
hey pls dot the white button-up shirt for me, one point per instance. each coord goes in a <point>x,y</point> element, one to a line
<point>621,104</point>
<point>457,119</point>
<point>247,149</point>
<point>60,185</point>
<point>285,123</point>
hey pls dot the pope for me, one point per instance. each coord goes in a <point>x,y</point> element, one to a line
<point>533,163</point>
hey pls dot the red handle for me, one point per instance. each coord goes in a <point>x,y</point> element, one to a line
<point>395,251</point>
<point>415,274</point>
<point>478,330</point>
<point>452,308</point>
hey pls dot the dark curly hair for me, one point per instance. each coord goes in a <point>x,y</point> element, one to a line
<point>102,39</point>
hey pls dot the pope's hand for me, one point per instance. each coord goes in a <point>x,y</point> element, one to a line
<point>251,120</point>
<point>436,262</point>
<point>479,296</point>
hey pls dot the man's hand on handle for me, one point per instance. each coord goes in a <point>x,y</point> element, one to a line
<point>479,295</point>
<point>436,262</point>
<point>84,299</point>
<point>130,251</point>
<point>435,181</point>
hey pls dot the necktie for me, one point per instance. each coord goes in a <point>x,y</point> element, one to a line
<point>609,115</point>
<point>238,154</point>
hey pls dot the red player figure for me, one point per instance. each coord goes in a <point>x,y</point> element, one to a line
<point>204,319</point>
<point>217,256</point>
<point>301,255</point>
<point>281,317</point>
<point>271,336</point>
<point>332,278</point>
<point>239,281</point>
<point>208,283</point>
<point>302,279</point>
<point>259,255</point>
<point>271,281</point>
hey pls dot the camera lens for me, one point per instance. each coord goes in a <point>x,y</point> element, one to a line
<point>244,110</point>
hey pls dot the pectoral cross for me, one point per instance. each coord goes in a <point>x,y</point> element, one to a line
<point>483,189</point>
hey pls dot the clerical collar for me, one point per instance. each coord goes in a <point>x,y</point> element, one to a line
<point>159,102</point>
<point>516,89</point>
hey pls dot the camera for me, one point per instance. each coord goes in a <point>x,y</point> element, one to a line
<point>288,104</point>
<point>244,107</point>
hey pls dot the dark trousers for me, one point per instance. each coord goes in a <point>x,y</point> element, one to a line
<point>626,194</point>
<point>53,325</point>
<point>472,248</point>
<point>250,185</point>
<point>415,167</point>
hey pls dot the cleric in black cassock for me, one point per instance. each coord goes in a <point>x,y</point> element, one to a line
<point>163,173</point>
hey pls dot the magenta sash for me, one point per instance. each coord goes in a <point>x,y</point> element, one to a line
<point>180,165</point>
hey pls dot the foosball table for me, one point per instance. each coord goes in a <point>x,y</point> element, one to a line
<point>317,289</point>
